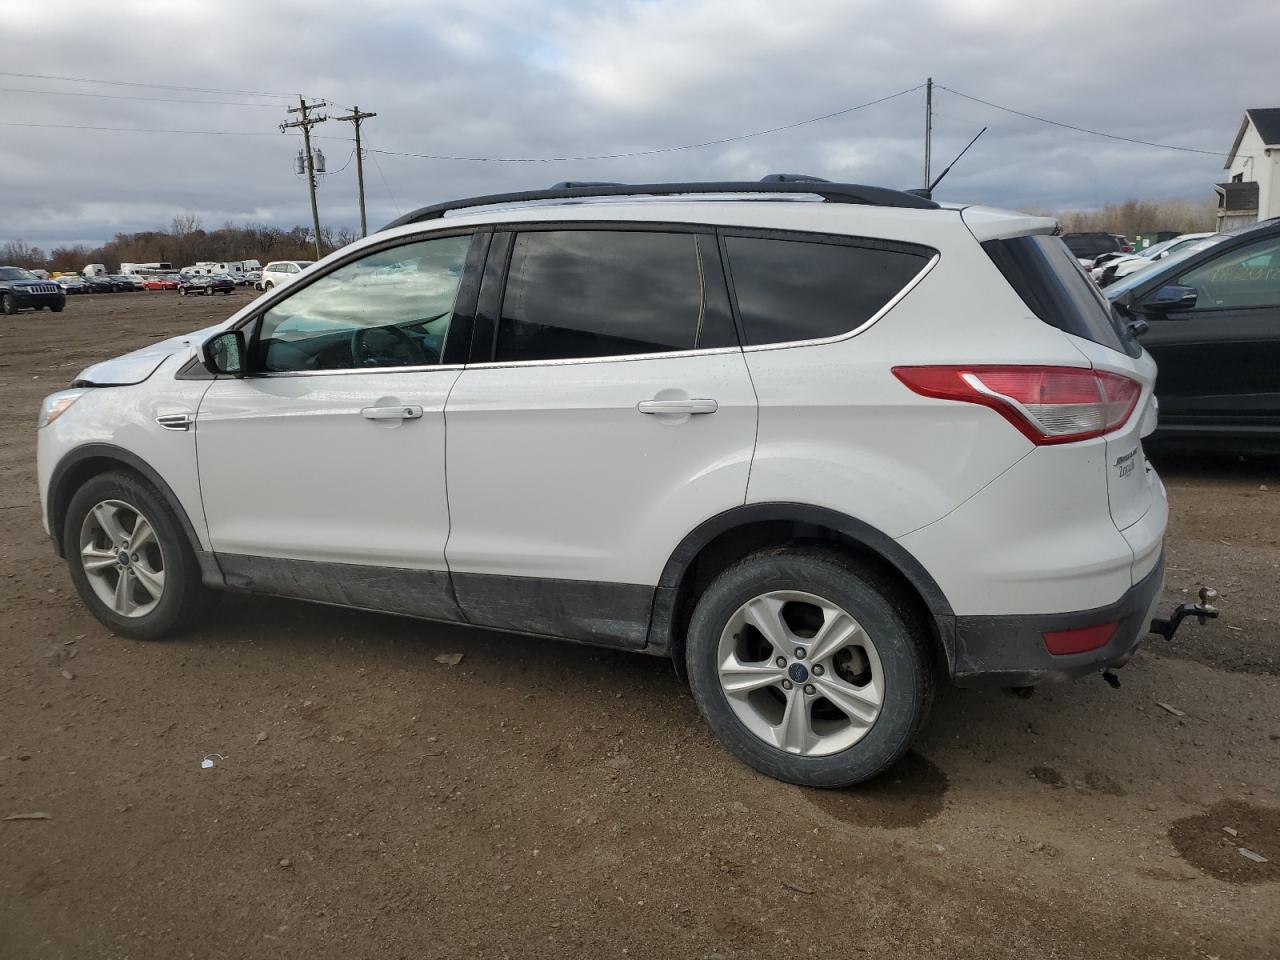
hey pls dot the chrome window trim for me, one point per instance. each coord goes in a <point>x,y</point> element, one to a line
<point>420,368</point>
<point>866,324</point>
<point>616,358</point>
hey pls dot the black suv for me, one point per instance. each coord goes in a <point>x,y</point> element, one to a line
<point>1211,320</point>
<point>1087,246</point>
<point>207,284</point>
<point>21,288</point>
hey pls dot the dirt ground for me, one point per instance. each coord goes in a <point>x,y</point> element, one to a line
<point>541,799</point>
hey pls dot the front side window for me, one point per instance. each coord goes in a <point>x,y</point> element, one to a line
<point>791,290</point>
<point>1246,277</point>
<point>599,293</point>
<point>389,309</point>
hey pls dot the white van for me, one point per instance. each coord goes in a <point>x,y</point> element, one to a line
<point>94,270</point>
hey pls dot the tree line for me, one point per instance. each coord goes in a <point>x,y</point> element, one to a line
<point>1133,217</point>
<point>184,243</point>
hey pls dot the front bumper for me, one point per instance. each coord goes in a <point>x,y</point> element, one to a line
<point>23,299</point>
<point>1009,651</point>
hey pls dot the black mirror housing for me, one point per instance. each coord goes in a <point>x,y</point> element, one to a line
<point>1173,296</point>
<point>224,354</point>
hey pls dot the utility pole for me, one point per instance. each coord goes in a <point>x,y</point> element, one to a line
<point>355,117</point>
<point>306,121</point>
<point>928,129</point>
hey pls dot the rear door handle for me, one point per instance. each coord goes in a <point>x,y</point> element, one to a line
<point>677,406</point>
<point>408,411</point>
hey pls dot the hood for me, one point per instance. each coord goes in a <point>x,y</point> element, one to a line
<point>134,367</point>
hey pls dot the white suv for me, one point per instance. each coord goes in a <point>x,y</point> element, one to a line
<point>822,445</point>
<point>279,272</point>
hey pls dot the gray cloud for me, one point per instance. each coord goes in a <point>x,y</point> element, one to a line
<point>514,78</point>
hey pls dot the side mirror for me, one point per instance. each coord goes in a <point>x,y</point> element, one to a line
<point>1170,297</point>
<point>224,354</point>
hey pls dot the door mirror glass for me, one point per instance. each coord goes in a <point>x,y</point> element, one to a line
<point>1171,297</point>
<point>224,354</point>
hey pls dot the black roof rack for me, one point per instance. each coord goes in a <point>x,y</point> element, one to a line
<point>792,178</point>
<point>831,192</point>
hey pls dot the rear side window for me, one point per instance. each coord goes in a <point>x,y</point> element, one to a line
<point>599,293</point>
<point>1051,283</point>
<point>791,290</point>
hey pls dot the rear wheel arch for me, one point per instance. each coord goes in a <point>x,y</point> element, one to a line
<point>726,538</point>
<point>84,463</point>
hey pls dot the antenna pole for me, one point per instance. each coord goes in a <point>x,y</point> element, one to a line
<point>306,121</point>
<point>928,129</point>
<point>355,117</point>
<point>957,159</point>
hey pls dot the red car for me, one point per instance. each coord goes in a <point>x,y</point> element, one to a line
<point>160,283</point>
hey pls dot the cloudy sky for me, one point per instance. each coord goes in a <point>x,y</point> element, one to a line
<point>584,78</point>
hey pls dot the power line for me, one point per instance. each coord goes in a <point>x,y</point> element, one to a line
<point>656,150</point>
<point>121,96</point>
<point>84,126</point>
<point>154,86</point>
<point>1071,126</point>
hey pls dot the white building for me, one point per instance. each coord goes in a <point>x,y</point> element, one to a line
<point>1253,191</point>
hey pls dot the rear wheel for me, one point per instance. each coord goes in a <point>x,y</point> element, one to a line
<point>809,668</point>
<point>129,558</point>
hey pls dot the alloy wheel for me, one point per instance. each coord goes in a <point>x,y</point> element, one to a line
<point>122,558</point>
<point>800,673</point>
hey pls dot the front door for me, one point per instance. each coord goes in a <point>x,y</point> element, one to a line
<point>612,413</point>
<point>322,471</point>
<point>1218,361</point>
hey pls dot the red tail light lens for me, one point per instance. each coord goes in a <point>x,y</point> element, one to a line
<point>1047,404</point>
<point>1080,640</point>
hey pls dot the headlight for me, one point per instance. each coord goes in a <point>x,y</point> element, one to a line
<point>56,404</point>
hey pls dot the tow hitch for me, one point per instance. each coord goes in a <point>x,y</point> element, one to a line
<point>1204,610</point>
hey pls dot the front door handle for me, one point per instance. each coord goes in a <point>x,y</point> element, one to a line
<point>407,411</point>
<point>677,406</point>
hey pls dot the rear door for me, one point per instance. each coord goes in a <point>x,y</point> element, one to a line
<point>1219,360</point>
<point>606,413</point>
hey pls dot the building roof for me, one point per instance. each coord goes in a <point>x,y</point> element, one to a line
<point>1237,196</point>
<point>1267,122</point>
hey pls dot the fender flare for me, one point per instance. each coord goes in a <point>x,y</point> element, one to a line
<point>108,451</point>
<point>662,618</point>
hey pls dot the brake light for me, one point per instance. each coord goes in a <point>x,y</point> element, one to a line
<point>1047,404</point>
<point>1079,640</point>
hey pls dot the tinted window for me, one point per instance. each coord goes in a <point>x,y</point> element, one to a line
<point>599,293</point>
<point>1050,281</point>
<point>389,309</point>
<point>801,290</point>
<point>1246,277</point>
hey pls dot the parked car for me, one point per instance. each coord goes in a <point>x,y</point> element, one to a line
<point>71,283</point>
<point>21,288</point>
<point>160,283</point>
<point>1212,314</point>
<point>254,279</point>
<point>98,284</point>
<point>125,283</point>
<point>823,455</point>
<point>1086,247</point>
<point>280,272</point>
<point>1122,267</point>
<point>206,284</point>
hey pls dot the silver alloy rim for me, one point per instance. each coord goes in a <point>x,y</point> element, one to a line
<point>800,673</point>
<point>122,558</point>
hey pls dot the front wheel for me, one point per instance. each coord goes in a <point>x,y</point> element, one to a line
<point>129,558</point>
<point>808,667</point>
<point>8,305</point>
<point>56,308</point>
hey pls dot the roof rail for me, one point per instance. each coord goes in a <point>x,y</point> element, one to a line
<point>566,184</point>
<point>830,192</point>
<point>792,178</point>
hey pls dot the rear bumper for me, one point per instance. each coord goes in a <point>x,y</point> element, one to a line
<point>1009,651</point>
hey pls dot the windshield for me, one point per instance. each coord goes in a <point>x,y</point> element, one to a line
<point>1156,248</point>
<point>1142,276</point>
<point>16,273</point>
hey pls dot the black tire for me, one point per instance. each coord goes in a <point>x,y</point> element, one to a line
<point>267,286</point>
<point>182,291</point>
<point>8,305</point>
<point>183,597</point>
<point>901,642</point>
<point>57,308</point>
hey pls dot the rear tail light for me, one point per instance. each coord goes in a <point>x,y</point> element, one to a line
<point>1047,404</point>
<point>1079,640</point>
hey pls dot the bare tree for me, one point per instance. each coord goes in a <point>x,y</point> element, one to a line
<point>19,253</point>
